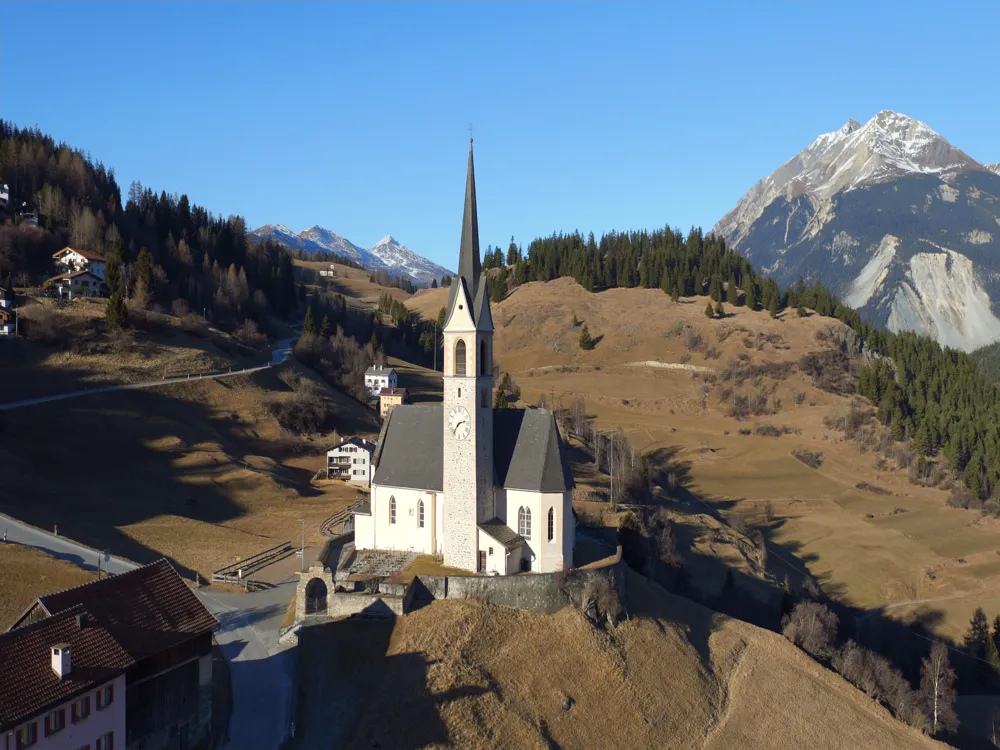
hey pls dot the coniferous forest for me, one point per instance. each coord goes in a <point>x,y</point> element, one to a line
<point>191,255</point>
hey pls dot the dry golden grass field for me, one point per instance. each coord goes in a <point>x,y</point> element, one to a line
<point>26,572</point>
<point>463,674</point>
<point>200,472</point>
<point>353,283</point>
<point>642,376</point>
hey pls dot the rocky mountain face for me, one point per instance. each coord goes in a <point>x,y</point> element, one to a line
<point>385,255</point>
<point>890,216</point>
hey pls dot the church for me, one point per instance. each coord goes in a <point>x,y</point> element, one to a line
<point>487,489</point>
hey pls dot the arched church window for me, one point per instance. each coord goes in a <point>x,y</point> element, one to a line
<point>482,357</point>
<point>420,514</point>
<point>460,358</point>
<point>524,522</point>
<point>552,524</point>
<point>392,509</point>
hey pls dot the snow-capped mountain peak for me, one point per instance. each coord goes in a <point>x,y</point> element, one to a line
<point>888,146</point>
<point>891,217</point>
<point>385,255</point>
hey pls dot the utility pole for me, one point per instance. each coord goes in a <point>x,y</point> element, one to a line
<point>302,549</point>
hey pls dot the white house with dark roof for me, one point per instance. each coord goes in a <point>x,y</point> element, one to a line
<point>488,489</point>
<point>70,259</point>
<point>350,460</point>
<point>378,377</point>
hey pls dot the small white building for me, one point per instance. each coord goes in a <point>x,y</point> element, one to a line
<point>351,460</point>
<point>4,196</point>
<point>70,260</point>
<point>378,377</point>
<point>328,272</point>
<point>78,284</point>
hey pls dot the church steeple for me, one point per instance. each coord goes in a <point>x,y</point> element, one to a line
<point>469,267</point>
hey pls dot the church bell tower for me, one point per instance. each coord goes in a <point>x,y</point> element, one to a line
<point>468,397</point>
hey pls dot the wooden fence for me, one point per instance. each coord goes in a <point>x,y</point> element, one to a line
<point>241,570</point>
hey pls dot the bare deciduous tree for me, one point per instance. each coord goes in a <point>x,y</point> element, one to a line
<point>937,687</point>
<point>813,628</point>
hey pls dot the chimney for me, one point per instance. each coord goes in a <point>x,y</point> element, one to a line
<point>62,662</point>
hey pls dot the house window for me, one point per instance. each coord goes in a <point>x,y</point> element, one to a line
<point>106,742</point>
<point>552,524</point>
<point>104,696</point>
<point>460,358</point>
<point>80,709</point>
<point>27,735</point>
<point>392,509</point>
<point>420,514</point>
<point>55,722</point>
<point>491,552</point>
<point>524,522</point>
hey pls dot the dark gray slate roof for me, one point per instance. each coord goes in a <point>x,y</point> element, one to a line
<point>410,451</point>
<point>504,534</point>
<point>527,450</point>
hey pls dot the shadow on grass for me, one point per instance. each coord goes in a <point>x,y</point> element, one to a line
<point>381,700</point>
<point>98,464</point>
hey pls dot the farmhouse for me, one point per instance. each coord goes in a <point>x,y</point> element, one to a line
<point>165,635</point>
<point>70,259</point>
<point>388,398</point>
<point>378,377</point>
<point>63,684</point>
<point>489,489</point>
<point>350,460</point>
<point>73,284</point>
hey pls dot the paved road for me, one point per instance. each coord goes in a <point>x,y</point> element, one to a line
<point>262,672</point>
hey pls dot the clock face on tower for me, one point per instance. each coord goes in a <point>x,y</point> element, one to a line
<point>459,422</point>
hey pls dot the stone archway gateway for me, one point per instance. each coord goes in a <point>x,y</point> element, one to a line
<point>316,593</point>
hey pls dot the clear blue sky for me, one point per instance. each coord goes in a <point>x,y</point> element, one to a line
<point>591,116</point>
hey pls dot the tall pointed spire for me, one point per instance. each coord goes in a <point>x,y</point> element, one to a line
<point>469,267</point>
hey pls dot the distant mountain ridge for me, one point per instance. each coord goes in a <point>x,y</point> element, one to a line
<point>385,255</point>
<point>888,214</point>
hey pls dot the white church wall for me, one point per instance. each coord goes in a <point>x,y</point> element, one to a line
<point>405,533</point>
<point>364,531</point>
<point>496,555</point>
<point>546,556</point>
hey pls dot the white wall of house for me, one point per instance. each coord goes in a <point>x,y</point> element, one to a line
<point>546,555</point>
<point>86,731</point>
<point>6,329</point>
<point>380,532</point>
<point>379,379</point>
<point>350,462</point>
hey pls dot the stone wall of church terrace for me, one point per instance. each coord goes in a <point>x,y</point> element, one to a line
<point>533,592</point>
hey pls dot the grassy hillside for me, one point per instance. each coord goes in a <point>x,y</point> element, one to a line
<point>887,543</point>
<point>462,674</point>
<point>28,572</point>
<point>353,283</point>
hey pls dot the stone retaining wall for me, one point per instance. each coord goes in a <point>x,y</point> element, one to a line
<point>534,592</point>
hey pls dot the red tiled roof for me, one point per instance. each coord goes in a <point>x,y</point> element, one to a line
<point>29,686</point>
<point>85,253</point>
<point>147,610</point>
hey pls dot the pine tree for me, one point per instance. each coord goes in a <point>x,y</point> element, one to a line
<point>115,312</point>
<point>720,311</point>
<point>787,600</point>
<point>324,329</point>
<point>715,289</point>
<point>922,440</point>
<point>750,291</point>
<point>308,324</point>
<point>709,311</point>
<point>500,400</point>
<point>434,283</point>
<point>802,312</point>
<point>978,634</point>
<point>576,321</point>
<point>898,431</point>
<point>586,342</point>
<point>773,305</point>
<point>144,269</point>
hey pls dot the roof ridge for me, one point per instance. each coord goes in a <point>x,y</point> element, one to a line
<point>102,580</point>
<point>50,620</point>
